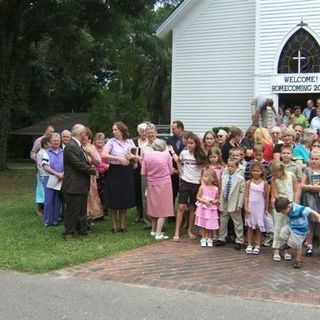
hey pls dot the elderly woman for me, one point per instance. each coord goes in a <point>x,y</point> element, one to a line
<point>288,136</point>
<point>102,167</point>
<point>119,180</point>
<point>52,163</point>
<point>140,141</point>
<point>275,133</point>
<point>301,152</point>
<point>157,167</point>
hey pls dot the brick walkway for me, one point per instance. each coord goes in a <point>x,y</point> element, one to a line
<point>218,271</point>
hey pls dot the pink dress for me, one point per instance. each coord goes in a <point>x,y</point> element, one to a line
<point>157,166</point>
<point>207,216</point>
<point>255,220</point>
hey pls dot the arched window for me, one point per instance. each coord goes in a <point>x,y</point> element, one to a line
<point>301,54</point>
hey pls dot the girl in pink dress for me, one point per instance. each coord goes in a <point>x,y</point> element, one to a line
<point>207,207</point>
<point>256,206</point>
<point>215,162</point>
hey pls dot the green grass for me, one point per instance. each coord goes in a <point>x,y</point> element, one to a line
<point>27,246</point>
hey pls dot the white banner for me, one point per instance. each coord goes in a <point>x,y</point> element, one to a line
<point>295,83</point>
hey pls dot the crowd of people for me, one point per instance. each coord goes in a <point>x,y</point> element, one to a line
<point>266,180</point>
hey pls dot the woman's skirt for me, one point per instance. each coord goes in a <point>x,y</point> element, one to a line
<point>159,201</point>
<point>119,187</point>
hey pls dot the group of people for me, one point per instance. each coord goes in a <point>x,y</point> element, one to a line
<point>266,181</point>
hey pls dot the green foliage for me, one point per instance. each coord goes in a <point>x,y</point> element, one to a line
<point>27,246</point>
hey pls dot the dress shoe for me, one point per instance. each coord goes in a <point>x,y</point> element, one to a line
<point>238,246</point>
<point>220,243</point>
<point>68,237</point>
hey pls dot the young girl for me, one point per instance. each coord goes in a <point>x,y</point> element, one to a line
<point>207,207</point>
<point>284,184</point>
<point>310,184</point>
<point>215,162</point>
<point>256,206</point>
<point>190,164</point>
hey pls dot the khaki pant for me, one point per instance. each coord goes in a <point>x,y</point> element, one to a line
<point>238,226</point>
<point>293,240</point>
<point>264,116</point>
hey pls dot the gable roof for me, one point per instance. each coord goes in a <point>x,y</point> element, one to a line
<point>164,30</point>
<point>60,121</point>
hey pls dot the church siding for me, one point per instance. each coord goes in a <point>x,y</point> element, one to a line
<point>277,18</point>
<point>213,66</point>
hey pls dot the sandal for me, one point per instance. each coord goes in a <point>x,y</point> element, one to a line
<point>276,257</point>
<point>297,264</point>
<point>287,256</point>
<point>256,250</point>
<point>249,249</point>
<point>176,239</point>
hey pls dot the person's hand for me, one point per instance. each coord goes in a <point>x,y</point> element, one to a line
<point>59,175</point>
<point>123,161</point>
<point>266,212</point>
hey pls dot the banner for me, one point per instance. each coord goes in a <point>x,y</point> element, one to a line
<point>295,83</point>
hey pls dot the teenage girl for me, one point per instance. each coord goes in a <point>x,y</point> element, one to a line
<point>207,207</point>
<point>215,162</point>
<point>284,184</point>
<point>256,206</point>
<point>310,184</point>
<point>190,163</point>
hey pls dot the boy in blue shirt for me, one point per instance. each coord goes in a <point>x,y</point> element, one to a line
<point>294,233</point>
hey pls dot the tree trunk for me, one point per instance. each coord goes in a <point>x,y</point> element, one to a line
<point>4,134</point>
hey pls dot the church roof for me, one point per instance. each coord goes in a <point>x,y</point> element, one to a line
<point>60,121</point>
<point>164,30</point>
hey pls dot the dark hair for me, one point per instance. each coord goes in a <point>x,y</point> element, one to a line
<point>281,203</point>
<point>179,124</point>
<point>257,164</point>
<point>296,108</point>
<point>44,141</point>
<point>205,135</point>
<point>217,151</point>
<point>199,154</point>
<point>234,131</point>
<point>123,129</point>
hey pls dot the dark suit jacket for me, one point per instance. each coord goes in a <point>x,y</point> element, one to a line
<point>76,179</point>
<point>172,141</point>
<point>313,114</point>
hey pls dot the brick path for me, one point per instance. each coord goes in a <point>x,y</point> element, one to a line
<point>218,271</point>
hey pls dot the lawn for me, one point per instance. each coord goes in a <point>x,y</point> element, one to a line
<point>27,246</point>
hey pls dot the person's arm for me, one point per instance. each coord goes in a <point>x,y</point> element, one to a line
<point>315,214</point>
<point>308,187</point>
<point>49,170</point>
<point>200,199</point>
<point>93,154</point>
<point>241,195</point>
<point>266,197</point>
<point>107,156</point>
<point>274,110</point>
<point>74,160</point>
<point>274,193</point>
<point>296,189</point>
<point>246,197</point>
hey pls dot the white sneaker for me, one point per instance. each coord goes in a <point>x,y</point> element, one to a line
<point>161,237</point>
<point>209,243</point>
<point>203,242</point>
<point>152,233</point>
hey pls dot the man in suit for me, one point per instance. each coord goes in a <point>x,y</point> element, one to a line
<point>176,141</point>
<point>76,183</point>
<point>313,112</point>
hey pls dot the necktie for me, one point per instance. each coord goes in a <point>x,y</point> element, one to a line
<point>178,144</point>
<point>228,187</point>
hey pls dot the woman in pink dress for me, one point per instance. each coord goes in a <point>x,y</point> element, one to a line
<point>207,207</point>
<point>157,166</point>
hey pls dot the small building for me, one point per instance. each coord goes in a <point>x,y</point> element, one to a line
<point>21,140</point>
<point>226,52</point>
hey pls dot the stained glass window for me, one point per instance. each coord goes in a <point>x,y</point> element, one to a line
<point>301,54</point>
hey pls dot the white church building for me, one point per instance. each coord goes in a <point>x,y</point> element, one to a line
<point>226,52</point>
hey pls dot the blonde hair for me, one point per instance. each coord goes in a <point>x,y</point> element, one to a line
<point>262,135</point>
<point>213,180</point>
<point>278,166</point>
<point>315,153</point>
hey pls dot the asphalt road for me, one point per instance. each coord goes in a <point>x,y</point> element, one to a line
<point>46,297</point>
